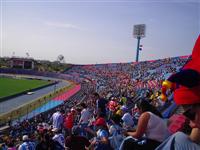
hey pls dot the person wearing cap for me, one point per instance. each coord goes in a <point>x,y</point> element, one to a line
<point>27,144</point>
<point>100,141</point>
<point>187,94</point>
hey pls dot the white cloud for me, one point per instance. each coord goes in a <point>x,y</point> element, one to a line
<point>62,25</point>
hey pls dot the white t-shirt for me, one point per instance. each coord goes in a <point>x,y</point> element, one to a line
<point>57,120</point>
<point>128,120</point>
<point>85,116</point>
<point>156,128</point>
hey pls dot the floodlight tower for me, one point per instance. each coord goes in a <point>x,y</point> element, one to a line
<point>138,33</point>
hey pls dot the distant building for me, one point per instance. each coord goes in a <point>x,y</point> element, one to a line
<point>22,63</point>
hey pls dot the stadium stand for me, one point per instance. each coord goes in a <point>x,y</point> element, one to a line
<point>125,83</point>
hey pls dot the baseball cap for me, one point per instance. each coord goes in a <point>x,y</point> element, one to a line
<point>100,122</point>
<point>25,137</point>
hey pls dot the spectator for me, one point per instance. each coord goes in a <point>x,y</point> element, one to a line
<point>75,141</point>
<point>100,141</point>
<point>45,142</point>
<point>84,119</point>
<point>100,105</point>
<point>57,119</point>
<point>135,114</point>
<point>69,121</point>
<point>115,130</point>
<point>27,144</point>
<point>58,137</point>
<point>151,125</point>
<point>112,106</point>
<point>11,144</point>
<point>123,100</point>
<point>127,118</point>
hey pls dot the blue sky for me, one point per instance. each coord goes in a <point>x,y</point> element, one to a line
<point>88,32</point>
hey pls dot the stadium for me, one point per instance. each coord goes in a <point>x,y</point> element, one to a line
<point>24,104</point>
<point>98,95</point>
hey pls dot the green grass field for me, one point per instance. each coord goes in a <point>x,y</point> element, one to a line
<point>10,86</point>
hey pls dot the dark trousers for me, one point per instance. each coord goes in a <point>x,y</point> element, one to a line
<point>147,144</point>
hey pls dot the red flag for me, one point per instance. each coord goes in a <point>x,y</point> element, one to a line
<point>194,63</point>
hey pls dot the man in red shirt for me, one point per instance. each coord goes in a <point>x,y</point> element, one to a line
<point>69,121</point>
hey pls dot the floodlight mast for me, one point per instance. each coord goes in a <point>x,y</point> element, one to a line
<point>139,32</point>
<point>138,48</point>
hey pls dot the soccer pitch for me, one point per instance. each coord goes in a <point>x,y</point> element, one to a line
<point>11,86</point>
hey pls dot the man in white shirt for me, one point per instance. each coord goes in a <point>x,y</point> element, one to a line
<point>84,119</point>
<point>57,119</point>
<point>85,114</point>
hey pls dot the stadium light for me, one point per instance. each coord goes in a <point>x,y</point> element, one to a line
<point>138,33</point>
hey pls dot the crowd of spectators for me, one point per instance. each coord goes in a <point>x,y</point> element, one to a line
<point>119,108</point>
